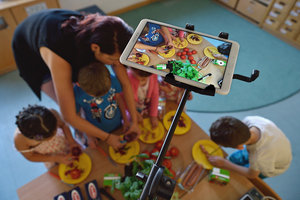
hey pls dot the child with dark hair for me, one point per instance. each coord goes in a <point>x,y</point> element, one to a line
<point>42,136</point>
<point>267,150</point>
<point>97,94</point>
<point>146,94</point>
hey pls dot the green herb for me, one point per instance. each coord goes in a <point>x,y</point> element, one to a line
<point>185,70</point>
<point>131,187</point>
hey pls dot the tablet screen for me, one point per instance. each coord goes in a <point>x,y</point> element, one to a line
<point>187,54</point>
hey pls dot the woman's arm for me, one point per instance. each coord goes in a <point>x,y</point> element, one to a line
<point>61,74</point>
<point>66,129</point>
<point>121,73</point>
<point>122,107</point>
<point>166,35</point>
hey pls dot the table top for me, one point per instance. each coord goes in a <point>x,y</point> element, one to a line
<point>47,186</point>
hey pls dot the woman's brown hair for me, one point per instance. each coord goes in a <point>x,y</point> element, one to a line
<point>111,33</point>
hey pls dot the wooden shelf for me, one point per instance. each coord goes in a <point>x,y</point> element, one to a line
<point>256,13</point>
<point>12,13</point>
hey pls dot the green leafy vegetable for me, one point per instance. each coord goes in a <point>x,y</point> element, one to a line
<point>131,187</point>
<point>185,70</point>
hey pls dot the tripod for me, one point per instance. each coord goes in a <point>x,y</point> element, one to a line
<point>156,184</point>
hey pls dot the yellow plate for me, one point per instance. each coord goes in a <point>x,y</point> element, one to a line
<point>145,58</point>
<point>133,150</point>
<point>167,120</point>
<point>193,40</point>
<point>208,53</point>
<point>149,135</point>
<point>180,45</point>
<point>210,147</point>
<point>169,54</point>
<point>84,164</point>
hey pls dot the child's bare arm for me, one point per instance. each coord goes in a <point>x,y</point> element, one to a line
<point>226,164</point>
<point>66,129</point>
<point>37,157</point>
<point>165,88</point>
<point>144,46</point>
<point>59,158</point>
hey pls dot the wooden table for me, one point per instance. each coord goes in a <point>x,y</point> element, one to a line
<point>46,186</point>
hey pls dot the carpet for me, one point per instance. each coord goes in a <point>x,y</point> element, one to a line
<point>276,60</point>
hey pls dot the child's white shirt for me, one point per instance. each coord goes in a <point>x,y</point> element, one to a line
<point>272,153</point>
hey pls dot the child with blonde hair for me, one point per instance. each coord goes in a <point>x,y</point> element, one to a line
<point>97,94</point>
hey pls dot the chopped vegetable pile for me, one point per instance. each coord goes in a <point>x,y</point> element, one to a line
<point>185,70</point>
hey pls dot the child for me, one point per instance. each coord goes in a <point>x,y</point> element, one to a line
<point>97,94</point>
<point>42,136</point>
<point>146,94</point>
<point>153,37</point>
<point>175,33</point>
<point>171,92</point>
<point>268,150</point>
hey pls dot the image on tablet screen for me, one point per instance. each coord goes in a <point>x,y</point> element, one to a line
<point>191,56</point>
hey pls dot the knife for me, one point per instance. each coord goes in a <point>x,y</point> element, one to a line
<point>108,157</point>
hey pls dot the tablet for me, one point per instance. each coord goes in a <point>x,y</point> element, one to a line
<point>195,58</point>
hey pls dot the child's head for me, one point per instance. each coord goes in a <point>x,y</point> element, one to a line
<point>229,132</point>
<point>94,79</point>
<point>36,122</point>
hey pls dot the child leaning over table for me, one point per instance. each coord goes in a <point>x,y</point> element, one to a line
<point>267,152</point>
<point>42,136</point>
<point>97,95</point>
<point>171,92</point>
<point>146,94</point>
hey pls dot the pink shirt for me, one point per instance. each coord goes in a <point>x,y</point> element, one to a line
<point>152,93</point>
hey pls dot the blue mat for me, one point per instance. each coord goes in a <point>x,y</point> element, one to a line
<point>276,60</point>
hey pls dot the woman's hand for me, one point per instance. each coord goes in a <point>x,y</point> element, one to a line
<point>126,125</point>
<point>161,50</point>
<point>93,142</point>
<point>114,141</point>
<point>134,128</point>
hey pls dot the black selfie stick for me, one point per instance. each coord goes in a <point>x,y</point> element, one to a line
<point>158,184</point>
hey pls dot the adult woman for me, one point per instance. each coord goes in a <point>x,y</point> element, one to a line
<point>51,46</point>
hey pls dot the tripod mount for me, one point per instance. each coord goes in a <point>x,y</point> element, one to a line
<point>157,184</point>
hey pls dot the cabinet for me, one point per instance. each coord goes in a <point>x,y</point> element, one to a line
<point>253,9</point>
<point>8,25</point>
<point>230,3</point>
<point>279,17</point>
<point>12,13</point>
